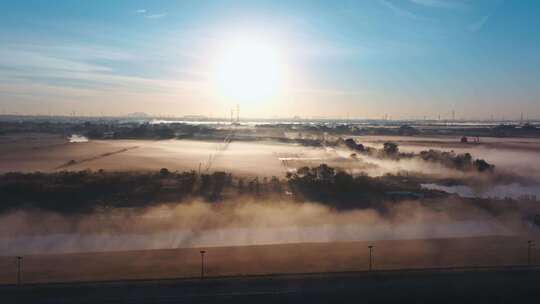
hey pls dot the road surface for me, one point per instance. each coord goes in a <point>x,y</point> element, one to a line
<point>472,285</point>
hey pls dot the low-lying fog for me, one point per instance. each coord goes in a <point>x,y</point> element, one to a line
<point>513,191</point>
<point>240,223</point>
<point>520,156</point>
<point>245,223</point>
<point>77,138</point>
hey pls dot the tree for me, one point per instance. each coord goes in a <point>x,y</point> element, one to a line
<point>344,181</point>
<point>351,144</point>
<point>165,133</point>
<point>275,184</point>
<point>325,173</point>
<point>164,172</point>
<point>482,166</point>
<point>390,148</point>
<point>206,182</point>
<point>407,130</point>
<point>240,185</point>
<point>463,161</point>
<point>218,182</point>
<point>187,181</point>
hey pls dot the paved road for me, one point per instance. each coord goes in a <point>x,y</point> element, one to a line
<point>502,285</point>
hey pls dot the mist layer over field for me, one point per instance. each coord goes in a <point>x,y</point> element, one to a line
<point>520,156</point>
<point>244,221</point>
<point>33,152</point>
<point>38,152</point>
<point>231,223</point>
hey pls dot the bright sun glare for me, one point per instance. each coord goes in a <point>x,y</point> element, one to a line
<point>249,71</point>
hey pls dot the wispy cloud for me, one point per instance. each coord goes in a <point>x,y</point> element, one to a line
<point>398,10</point>
<point>144,13</point>
<point>443,4</point>
<point>155,16</point>
<point>476,26</point>
<point>71,69</point>
<point>36,61</point>
<point>71,51</point>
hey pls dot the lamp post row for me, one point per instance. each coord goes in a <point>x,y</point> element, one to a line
<point>530,245</point>
<point>19,265</point>
<point>202,263</point>
<point>370,256</point>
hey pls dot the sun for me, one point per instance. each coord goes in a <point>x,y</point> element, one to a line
<point>249,71</point>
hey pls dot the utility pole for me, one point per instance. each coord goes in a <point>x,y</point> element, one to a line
<point>19,265</point>
<point>530,244</point>
<point>202,263</point>
<point>370,257</point>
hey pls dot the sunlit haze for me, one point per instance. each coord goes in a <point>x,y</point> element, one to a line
<point>249,71</point>
<point>410,59</point>
<point>269,151</point>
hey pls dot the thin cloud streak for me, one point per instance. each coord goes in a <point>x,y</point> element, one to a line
<point>144,12</point>
<point>70,69</point>
<point>442,4</point>
<point>36,61</point>
<point>398,10</point>
<point>72,51</point>
<point>101,82</point>
<point>476,26</point>
<point>155,16</point>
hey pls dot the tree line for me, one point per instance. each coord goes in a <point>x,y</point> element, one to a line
<point>452,160</point>
<point>84,191</point>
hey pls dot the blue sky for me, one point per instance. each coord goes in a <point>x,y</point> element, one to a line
<point>407,59</point>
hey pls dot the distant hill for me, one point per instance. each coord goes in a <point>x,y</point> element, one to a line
<point>138,115</point>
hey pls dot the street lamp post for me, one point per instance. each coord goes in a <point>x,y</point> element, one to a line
<point>530,244</point>
<point>370,257</point>
<point>19,265</point>
<point>202,263</point>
